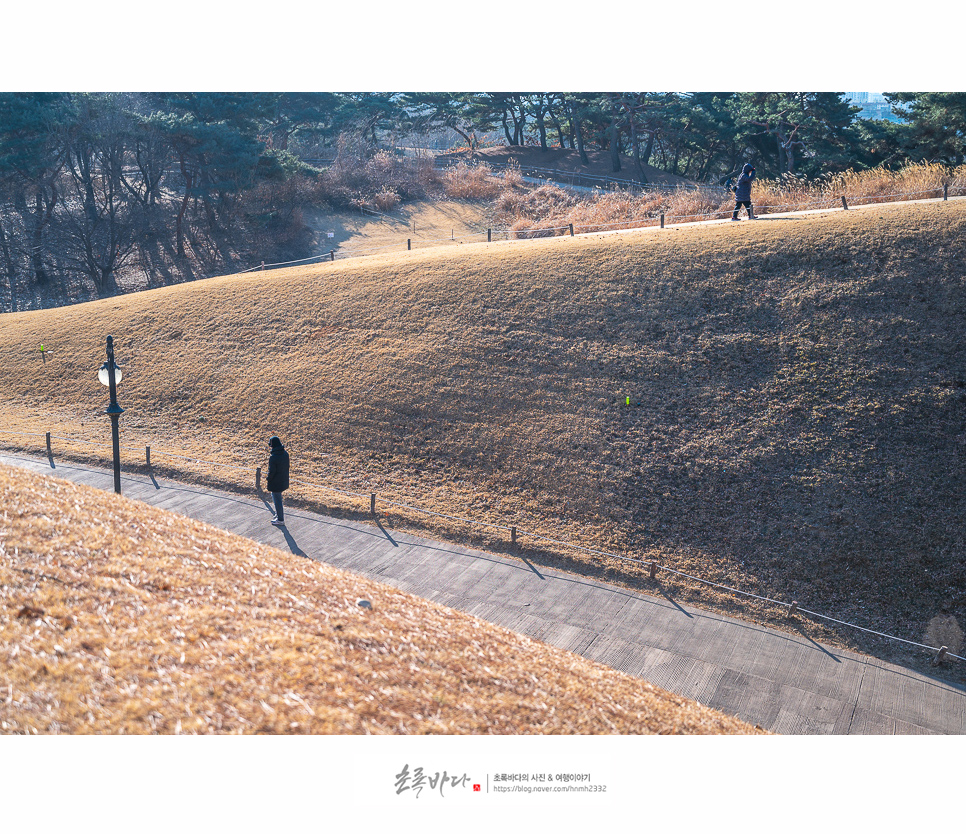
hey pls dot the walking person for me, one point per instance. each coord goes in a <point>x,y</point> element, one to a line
<point>277,481</point>
<point>743,191</point>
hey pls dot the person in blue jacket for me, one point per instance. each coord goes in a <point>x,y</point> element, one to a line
<point>743,191</point>
<point>277,481</point>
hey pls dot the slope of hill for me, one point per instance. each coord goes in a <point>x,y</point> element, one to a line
<point>797,426</point>
<point>424,223</point>
<point>117,617</point>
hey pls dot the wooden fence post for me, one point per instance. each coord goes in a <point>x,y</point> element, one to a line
<point>845,205</point>
<point>50,453</point>
<point>372,503</point>
<point>489,235</point>
<point>147,455</point>
<point>258,479</point>
<point>332,254</point>
<point>945,191</point>
<point>662,219</point>
<point>939,656</point>
<point>409,243</point>
<point>571,229</point>
<point>513,537</point>
<point>653,569</point>
<point>793,609</point>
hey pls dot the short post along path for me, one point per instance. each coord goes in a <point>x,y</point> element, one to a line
<point>783,682</point>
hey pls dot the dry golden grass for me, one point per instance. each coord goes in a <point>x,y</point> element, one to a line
<point>117,617</point>
<point>549,210</point>
<point>476,197</point>
<point>800,385</point>
<point>471,181</point>
<point>426,224</point>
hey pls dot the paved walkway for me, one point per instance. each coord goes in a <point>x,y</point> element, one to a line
<point>786,683</point>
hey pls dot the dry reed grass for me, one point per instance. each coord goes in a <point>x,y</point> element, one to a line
<point>550,210</point>
<point>466,181</point>
<point>799,390</point>
<point>117,617</point>
<point>386,200</point>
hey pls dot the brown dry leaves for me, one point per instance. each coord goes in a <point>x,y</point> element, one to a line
<point>116,617</point>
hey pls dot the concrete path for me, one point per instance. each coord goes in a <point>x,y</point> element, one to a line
<point>786,683</point>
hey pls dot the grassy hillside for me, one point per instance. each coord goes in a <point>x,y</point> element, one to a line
<point>117,617</point>
<point>797,427</point>
<point>420,224</point>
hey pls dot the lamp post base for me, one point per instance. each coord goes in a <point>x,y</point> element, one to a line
<point>115,437</point>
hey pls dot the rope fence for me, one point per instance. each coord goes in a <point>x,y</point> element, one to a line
<point>940,652</point>
<point>661,219</point>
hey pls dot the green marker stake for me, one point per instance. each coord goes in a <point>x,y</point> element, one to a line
<point>43,355</point>
<point>628,401</point>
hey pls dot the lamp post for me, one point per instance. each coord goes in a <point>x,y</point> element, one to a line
<point>109,375</point>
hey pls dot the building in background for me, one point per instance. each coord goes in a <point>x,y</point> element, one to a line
<point>874,106</point>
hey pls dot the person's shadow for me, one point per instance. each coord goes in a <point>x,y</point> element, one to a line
<point>289,538</point>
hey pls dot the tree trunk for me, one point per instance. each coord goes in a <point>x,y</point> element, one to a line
<point>578,135</point>
<point>646,156</point>
<point>9,269</point>
<point>470,140</point>
<point>789,147</point>
<point>519,117</point>
<point>542,128</point>
<point>636,145</point>
<point>556,126</point>
<point>40,218</point>
<point>518,130</point>
<point>615,153</point>
<point>107,284</point>
<point>506,128</point>
<point>179,222</point>
<point>706,167</point>
<point>580,146</point>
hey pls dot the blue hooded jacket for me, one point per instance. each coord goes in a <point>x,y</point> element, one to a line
<point>743,186</point>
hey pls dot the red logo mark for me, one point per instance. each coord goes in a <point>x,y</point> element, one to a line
<point>476,787</point>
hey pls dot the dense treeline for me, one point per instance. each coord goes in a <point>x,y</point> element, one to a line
<point>179,184</point>
<point>169,184</point>
<point>704,135</point>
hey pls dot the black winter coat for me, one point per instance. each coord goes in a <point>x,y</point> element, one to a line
<point>743,186</point>
<point>277,470</point>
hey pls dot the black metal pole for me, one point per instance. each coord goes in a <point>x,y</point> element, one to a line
<point>114,411</point>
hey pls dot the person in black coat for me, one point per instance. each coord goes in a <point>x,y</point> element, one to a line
<point>277,481</point>
<point>743,191</point>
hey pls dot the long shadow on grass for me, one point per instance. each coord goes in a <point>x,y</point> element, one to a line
<point>513,564</point>
<point>169,486</point>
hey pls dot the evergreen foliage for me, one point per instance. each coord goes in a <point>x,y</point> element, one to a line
<point>93,182</point>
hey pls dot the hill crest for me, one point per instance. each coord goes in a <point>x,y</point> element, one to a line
<point>797,387</point>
